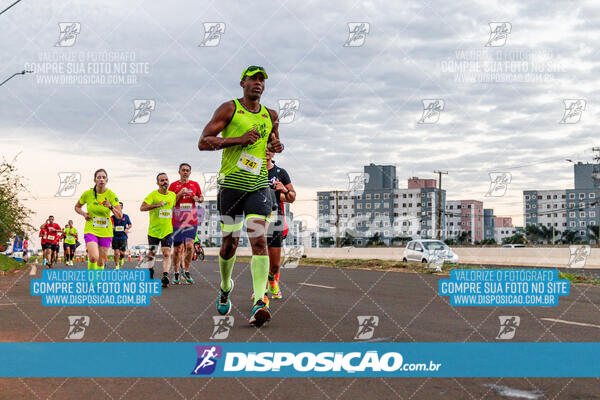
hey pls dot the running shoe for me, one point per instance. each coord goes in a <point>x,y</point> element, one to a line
<point>260,313</point>
<point>176,280</point>
<point>274,289</point>
<point>223,301</point>
<point>252,297</point>
<point>165,281</point>
<point>188,277</point>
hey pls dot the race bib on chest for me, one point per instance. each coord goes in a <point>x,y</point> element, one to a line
<point>186,206</point>
<point>120,228</point>
<point>250,163</point>
<point>50,237</point>
<point>98,222</point>
<point>164,213</point>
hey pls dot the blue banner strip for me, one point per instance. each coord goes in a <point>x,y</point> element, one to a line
<point>223,359</point>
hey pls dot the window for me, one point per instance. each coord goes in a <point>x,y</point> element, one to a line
<point>321,207</point>
<point>386,195</point>
<point>359,206</point>
<point>548,197</point>
<point>563,196</point>
<point>386,205</point>
<point>572,224</point>
<point>571,195</point>
<point>582,233</point>
<point>555,196</point>
<point>377,205</point>
<point>368,205</point>
<point>539,197</point>
<point>526,197</point>
<point>581,205</point>
<point>368,196</point>
<point>592,195</point>
<point>571,214</point>
<point>582,223</point>
<point>376,196</point>
<point>527,206</point>
<point>581,196</point>
<point>403,195</point>
<point>582,214</point>
<point>592,214</point>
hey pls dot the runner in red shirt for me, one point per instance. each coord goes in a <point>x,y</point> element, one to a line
<point>53,231</point>
<point>185,221</point>
<point>43,234</point>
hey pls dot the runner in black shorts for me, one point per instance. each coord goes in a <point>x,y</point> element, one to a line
<point>121,227</point>
<point>283,191</point>
<point>246,128</point>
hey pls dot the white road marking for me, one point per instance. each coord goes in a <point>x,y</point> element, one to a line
<point>562,321</point>
<point>33,270</point>
<point>312,284</point>
<point>8,304</point>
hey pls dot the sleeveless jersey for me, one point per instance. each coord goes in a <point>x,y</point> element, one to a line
<point>245,167</point>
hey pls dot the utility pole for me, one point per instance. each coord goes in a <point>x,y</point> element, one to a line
<point>439,203</point>
<point>337,220</point>
<point>596,180</point>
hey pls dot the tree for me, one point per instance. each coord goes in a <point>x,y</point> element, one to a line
<point>517,238</point>
<point>347,240</point>
<point>14,216</point>
<point>375,240</point>
<point>463,237</point>
<point>594,233</point>
<point>326,241</point>
<point>568,237</point>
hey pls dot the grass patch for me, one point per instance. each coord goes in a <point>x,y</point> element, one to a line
<point>391,265</point>
<point>9,263</point>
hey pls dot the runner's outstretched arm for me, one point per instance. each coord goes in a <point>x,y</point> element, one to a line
<point>209,139</point>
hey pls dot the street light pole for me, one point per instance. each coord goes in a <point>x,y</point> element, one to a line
<point>15,74</point>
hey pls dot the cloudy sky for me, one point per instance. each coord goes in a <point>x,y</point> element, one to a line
<point>359,103</point>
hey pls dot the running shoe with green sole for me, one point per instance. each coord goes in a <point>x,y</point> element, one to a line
<point>188,277</point>
<point>260,313</point>
<point>223,301</point>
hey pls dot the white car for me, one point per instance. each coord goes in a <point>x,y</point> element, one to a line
<point>427,250</point>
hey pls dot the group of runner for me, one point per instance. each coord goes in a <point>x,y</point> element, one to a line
<point>251,187</point>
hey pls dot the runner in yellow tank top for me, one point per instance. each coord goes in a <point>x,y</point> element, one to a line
<point>247,128</point>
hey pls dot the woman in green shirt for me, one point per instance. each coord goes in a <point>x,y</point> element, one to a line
<point>100,202</point>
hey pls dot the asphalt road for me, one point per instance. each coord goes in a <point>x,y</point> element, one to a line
<point>319,304</point>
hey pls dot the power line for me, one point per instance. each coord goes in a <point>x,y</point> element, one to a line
<point>6,9</point>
